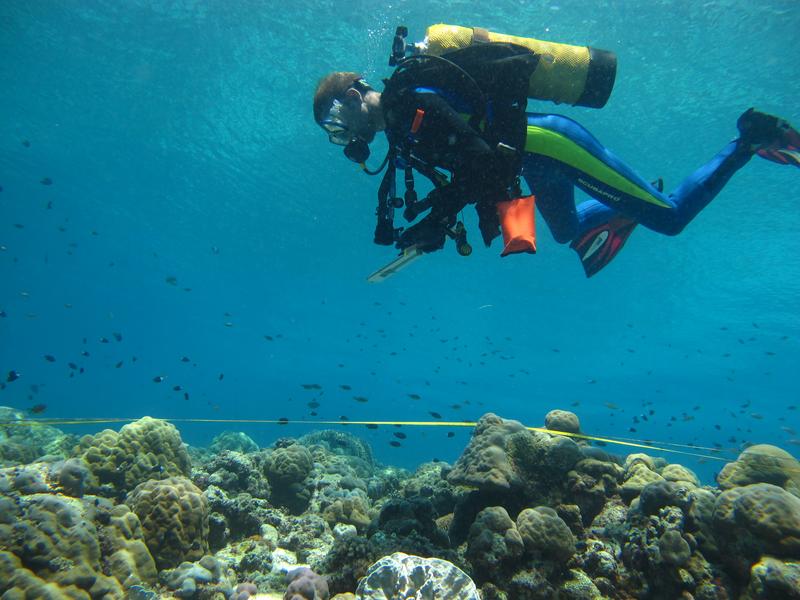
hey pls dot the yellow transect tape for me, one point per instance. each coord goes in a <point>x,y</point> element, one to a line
<point>660,446</point>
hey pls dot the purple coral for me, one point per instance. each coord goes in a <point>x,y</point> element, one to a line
<point>304,584</point>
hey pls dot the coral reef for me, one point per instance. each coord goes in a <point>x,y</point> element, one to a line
<point>522,515</point>
<point>21,444</point>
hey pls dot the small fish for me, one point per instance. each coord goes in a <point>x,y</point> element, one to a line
<point>345,387</point>
<point>46,181</point>
<point>269,338</point>
<point>789,430</point>
<point>221,376</point>
<point>117,336</point>
<point>103,340</point>
<point>311,386</point>
<point>313,413</point>
<point>283,421</point>
<point>37,409</point>
<point>313,404</point>
<point>3,314</point>
<point>757,416</point>
<point>793,442</point>
<point>344,418</point>
<point>26,143</point>
<point>415,396</point>
<point>172,280</point>
<point>434,414</point>
<point>49,358</point>
<point>118,365</point>
<point>72,366</point>
<point>176,388</point>
<point>395,444</point>
<point>159,378</point>
<point>185,359</point>
<point>185,395</point>
<point>451,434</point>
<point>361,399</point>
<point>12,376</point>
<point>399,434</point>
<point>371,426</point>
<point>157,468</point>
<point>610,406</point>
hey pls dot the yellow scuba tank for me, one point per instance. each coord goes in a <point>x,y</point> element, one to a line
<point>578,75</point>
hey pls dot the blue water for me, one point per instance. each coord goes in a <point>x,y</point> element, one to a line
<point>195,208</point>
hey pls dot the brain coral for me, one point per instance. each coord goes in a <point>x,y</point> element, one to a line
<point>145,449</point>
<point>174,516</point>
<point>406,576</point>
<point>762,464</point>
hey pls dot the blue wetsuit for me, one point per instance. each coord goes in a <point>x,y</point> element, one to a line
<point>561,155</point>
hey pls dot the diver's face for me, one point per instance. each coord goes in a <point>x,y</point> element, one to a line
<point>349,120</point>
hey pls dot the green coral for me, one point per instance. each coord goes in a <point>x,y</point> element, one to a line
<point>145,449</point>
<point>174,517</point>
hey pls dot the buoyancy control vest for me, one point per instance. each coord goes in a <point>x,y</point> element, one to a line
<point>487,83</point>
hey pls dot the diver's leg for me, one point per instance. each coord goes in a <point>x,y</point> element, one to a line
<point>602,175</point>
<point>555,196</point>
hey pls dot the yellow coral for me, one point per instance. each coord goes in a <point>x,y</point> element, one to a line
<point>174,517</point>
<point>145,449</point>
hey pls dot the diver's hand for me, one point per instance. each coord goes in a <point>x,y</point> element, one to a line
<point>428,235</point>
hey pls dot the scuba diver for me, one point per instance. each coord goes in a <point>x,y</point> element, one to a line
<point>463,111</point>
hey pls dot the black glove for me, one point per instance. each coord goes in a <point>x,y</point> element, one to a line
<point>428,235</point>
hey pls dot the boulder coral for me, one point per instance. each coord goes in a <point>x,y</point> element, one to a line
<point>494,541</point>
<point>762,463</point>
<point>62,547</point>
<point>758,519</point>
<point>174,517</point>
<point>545,535</point>
<point>145,449</point>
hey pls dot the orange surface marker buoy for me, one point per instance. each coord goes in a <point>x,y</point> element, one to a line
<point>518,223</point>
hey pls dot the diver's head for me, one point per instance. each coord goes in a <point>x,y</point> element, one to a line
<point>349,111</point>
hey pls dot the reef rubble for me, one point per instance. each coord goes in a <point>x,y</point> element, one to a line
<point>520,515</point>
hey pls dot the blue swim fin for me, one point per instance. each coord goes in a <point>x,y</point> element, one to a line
<point>597,246</point>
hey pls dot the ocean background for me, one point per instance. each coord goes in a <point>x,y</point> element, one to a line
<point>195,210</point>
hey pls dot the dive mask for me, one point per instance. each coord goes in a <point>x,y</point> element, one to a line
<point>355,148</point>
